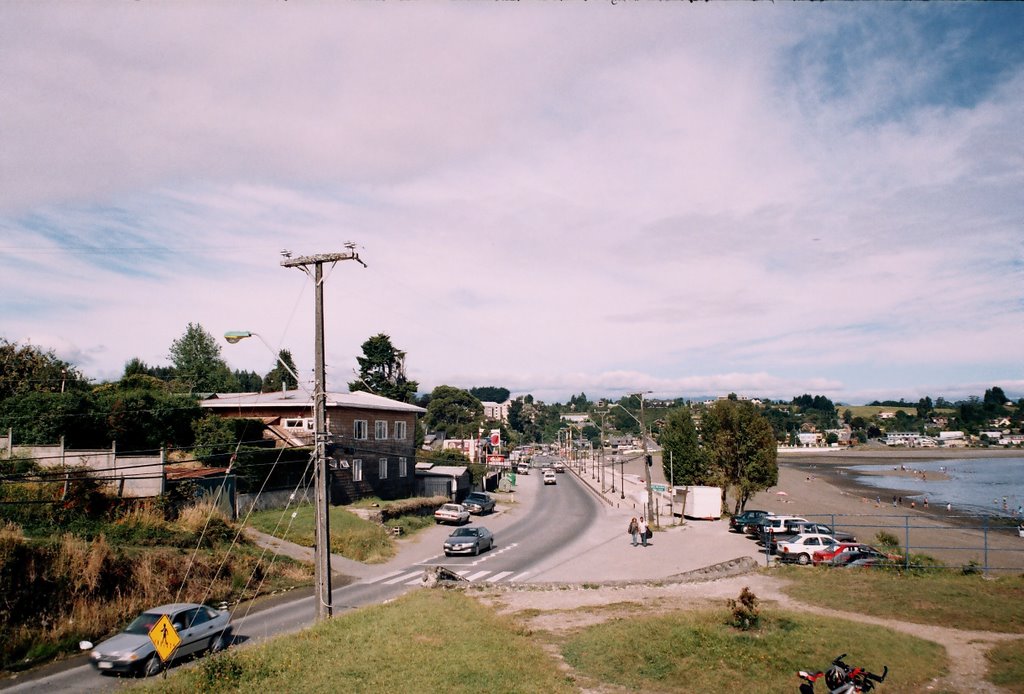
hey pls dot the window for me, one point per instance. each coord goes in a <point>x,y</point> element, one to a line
<point>298,424</point>
<point>380,429</point>
<point>399,431</point>
<point>383,474</point>
<point>359,429</point>
<point>403,467</point>
<point>357,470</point>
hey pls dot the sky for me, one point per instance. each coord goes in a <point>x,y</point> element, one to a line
<point>602,197</point>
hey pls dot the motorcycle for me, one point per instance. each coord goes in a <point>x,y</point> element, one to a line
<point>842,678</point>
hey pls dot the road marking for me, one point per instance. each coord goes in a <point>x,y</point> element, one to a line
<point>478,574</point>
<point>498,576</point>
<point>403,577</point>
<point>519,577</point>
<point>385,576</point>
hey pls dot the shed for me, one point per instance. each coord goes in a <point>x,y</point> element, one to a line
<point>453,481</point>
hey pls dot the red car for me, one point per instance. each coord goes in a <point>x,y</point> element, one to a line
<point>825,556</point>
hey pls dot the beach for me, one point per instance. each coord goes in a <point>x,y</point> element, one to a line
<point>819,486</point>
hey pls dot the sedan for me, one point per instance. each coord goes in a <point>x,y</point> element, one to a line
<point>468,541</point>
<point>479,502</point>
<point>827,554</point>
<point>801,548</point>
<point>452,513</point>
<point>549,477</point>
<point>200,628</point>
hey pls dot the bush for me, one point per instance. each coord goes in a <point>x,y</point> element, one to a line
<point>745,615</point>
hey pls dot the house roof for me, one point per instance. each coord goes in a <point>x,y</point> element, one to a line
<point>441,470</point>
<point>298,398</point>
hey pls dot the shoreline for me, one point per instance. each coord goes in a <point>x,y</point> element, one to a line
<point>820,486</point>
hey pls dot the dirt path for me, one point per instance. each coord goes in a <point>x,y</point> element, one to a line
<point>558,610</point>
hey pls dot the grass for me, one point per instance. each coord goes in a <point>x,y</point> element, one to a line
<point>941,598</point>
<point>426,641</point>
<point>699,652</point>
<point>1006,666</point>
<point>351,536</point>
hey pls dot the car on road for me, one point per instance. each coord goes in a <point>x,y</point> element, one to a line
<point>452,513</point>
<point>559,467</point>
<point>740,523</point>
<point>199,627</point>
<point>523,469</point>
<point>468,541</point>
<point>549,477</point>
<point>479,502</point>
<point>801,548</point>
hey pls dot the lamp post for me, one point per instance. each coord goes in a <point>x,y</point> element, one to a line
<point>647,468</point>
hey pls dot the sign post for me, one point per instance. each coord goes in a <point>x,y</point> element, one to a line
<point>165,638</point>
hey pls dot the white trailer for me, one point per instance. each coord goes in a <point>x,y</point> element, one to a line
<point>701,503</point>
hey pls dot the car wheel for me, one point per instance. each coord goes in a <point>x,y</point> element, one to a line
<point>152,666</point>
<point>220,642</point>
<point>447,554</point>
<point>476,550</point>
<point>803,559</point>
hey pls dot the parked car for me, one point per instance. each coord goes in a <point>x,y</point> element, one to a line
<point>549,477</point>
<point>199,627</point>
<point>740,523</point>
<point>795,527</point>
<point>768,525</point>
<point>452,513</point>
<point>559,467</point>
<point>468,540</point>
<point>479,502</point>
<point>801,548</point>
<point>827,554</point>
<point>869,557</point>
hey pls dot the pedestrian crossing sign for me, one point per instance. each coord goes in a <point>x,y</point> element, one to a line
<point>164,637</point>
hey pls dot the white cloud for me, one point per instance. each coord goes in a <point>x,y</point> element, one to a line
<point>553,200</point>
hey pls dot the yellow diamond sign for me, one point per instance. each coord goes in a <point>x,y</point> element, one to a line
<point>165,639</point>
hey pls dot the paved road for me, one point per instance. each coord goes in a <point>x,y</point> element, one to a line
<point>539,522</point>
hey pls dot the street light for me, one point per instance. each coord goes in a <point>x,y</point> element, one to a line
<point>643,437</point>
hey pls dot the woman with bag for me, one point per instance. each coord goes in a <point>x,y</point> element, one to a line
<point>642,527</point>
<point>633,529</point>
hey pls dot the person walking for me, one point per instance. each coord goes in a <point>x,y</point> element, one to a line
<point>634,528</point>
<point>642,527</point>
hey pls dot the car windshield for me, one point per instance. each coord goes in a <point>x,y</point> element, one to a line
<point>465,532</point>
<point>142,624</point>
<point>450,507</point>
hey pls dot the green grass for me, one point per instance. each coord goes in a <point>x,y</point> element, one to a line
<point>426,641</point>
<point>700,652</point>
<point>351,536</point>
<point>1006,666</point>
<point>941,598</point>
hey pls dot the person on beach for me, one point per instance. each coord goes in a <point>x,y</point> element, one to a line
<point>634,528</point>
<point>926,502</point>
<point>642,526</point>
<point>949,507</point>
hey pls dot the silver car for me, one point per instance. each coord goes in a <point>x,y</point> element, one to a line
<point>200,628</point>
<point>468,541</point>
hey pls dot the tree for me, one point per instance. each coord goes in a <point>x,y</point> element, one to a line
<point>382,371</point>
<point>994,400</point>
<point>741,447</point>
<point>279,377</point>
<point>198,366</point>
<point>248,381</point>
<point>924,407</point>
<point>490,394</point>
<point>454,411</point>
<point>683,459</point>
<point>29,369</point>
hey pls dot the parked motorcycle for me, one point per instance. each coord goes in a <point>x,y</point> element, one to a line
<point>842,678</point>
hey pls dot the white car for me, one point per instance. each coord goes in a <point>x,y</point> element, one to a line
<point>549,477</point>
<point>802,547</point>
<point>452,513</point>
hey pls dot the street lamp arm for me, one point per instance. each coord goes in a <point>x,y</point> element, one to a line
<point>236,336</point>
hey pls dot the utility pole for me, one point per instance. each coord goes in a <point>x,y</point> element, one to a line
<point>322,568</point>
<point>647,468</point>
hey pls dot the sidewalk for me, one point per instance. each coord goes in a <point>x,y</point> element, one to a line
<point>607,553</point>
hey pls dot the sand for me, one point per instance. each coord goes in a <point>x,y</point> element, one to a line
<point>817,487</point>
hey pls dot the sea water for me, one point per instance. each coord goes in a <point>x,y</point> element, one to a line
<point>993,486</point>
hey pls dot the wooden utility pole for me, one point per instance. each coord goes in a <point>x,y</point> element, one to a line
<point>322,551</point>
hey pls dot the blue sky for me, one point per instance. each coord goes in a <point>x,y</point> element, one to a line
<point>767,199</point>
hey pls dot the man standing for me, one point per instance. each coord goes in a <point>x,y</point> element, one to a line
<point>643,530</point>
